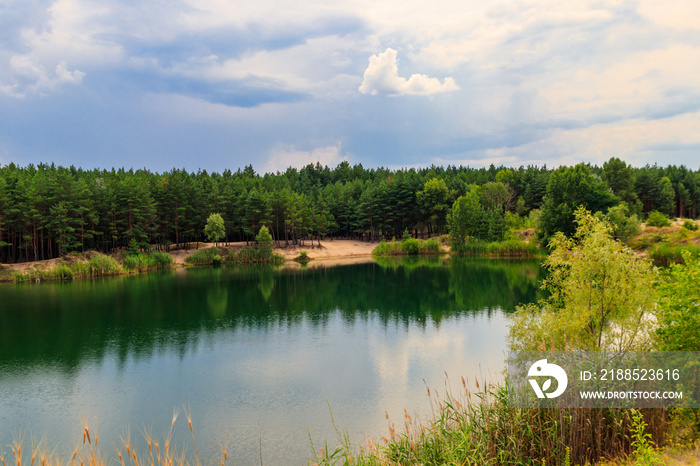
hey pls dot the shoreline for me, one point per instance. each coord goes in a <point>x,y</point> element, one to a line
<point>330,253</point>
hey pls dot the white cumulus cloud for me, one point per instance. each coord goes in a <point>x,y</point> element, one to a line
<point>382,77</point>
<point>284,157</point>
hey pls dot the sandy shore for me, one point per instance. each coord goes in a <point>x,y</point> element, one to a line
<point>330,250</point>
<point>329,253</point>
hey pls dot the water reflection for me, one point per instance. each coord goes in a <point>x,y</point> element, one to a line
<point>248,347</point>
<point>62,323</point>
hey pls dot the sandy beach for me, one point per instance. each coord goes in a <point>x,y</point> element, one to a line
<point>331,252</point>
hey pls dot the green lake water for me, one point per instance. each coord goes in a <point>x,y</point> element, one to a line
<point>258,354</point>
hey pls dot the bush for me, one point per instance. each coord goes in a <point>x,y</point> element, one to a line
<point>664,254</point>
<point>507,248</point>
<point>302,257</point>
<point>204,257</point>
<point>409,246</point>
<point>161,260</point>
<point>152,261</point>
<point>690,225</point>
<point>254,256</point>
<point>657,219</point>
<point>432,246</point>
<point>625,226</point>
<point>60,272</point>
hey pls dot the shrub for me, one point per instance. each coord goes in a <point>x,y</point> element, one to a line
<point>625,226</point>
<point>410,246</point>
<point>99,265</point>
<point>665,254</point>
<point>302,257</point>
<point>690,225</point>
<point>254,256</point>
<point>204,257</point>
<point>432,246</point>
<point>154,260</point>
<point>657,219</point>
<point>61,272</point>
<point>507,248</point>
<point>161,260</point>
<point>134,262</point>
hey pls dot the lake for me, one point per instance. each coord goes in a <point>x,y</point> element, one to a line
<point>259,354</point>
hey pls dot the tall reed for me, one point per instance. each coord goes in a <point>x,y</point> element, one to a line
<point>480,428</point>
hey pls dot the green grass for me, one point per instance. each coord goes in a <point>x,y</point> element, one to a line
<point>409,246</point>
<point>153,261</point>
<point>254,256</point>
<point>664,254</point>
<point>204,257</point>
<point>478,427</point>
<point>506,248</point>
<point>302,257</point>
<point>97,265</point>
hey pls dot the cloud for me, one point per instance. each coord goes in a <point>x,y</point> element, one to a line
<point>382,77</point>
<point>31,77</point>
<point>285,157</point>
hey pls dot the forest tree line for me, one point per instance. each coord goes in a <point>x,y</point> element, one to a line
<point>48,210</point>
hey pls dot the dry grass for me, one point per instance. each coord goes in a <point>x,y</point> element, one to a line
<point>160,452</point>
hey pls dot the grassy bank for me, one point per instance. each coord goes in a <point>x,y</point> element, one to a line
<point>665,244</point>
<point>506,248</point>
<point>91,264</point>
<point>408,246</point>
<point>478,427</point>
<point>468,427</point>
<point>247,255</point>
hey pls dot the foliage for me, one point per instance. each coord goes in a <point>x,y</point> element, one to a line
<point>568,189</point>
<point>657,219</point>
<point>261,254</point>
<point>264,239</point>
<point>642,445</point>
<point>624,226</point>
<point>477,426</point>
<point>690,225</point>
<point>620,179</point>
<point>408,246</point>
<point>518,222</point>
<point>95,266</point>
<point>601,294</point>
<point>47,211</point>
<point>302,257</point>
<point>473,217</point>
<point>679,306</point>
<point>664,254</point>
<point>153,261</point>
<point>507,248</point>
<point>204,257</point>
<point>434,203</point>
<point>215,229</point>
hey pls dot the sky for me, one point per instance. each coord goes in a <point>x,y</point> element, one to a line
<point>217,84</point>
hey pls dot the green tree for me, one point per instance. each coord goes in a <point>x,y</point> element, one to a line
<point>569,188</point>
<point>602,296</point>
<point>264,240</point>
<point>679,307</point>
<point>434,203</point>
<point>666,198</point>
<point>464,219</point>
<point>215,229</point>
<point>624,226</point>
<point>620,179</point>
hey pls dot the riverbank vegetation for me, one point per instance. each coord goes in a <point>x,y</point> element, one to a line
<point>408,246</point>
